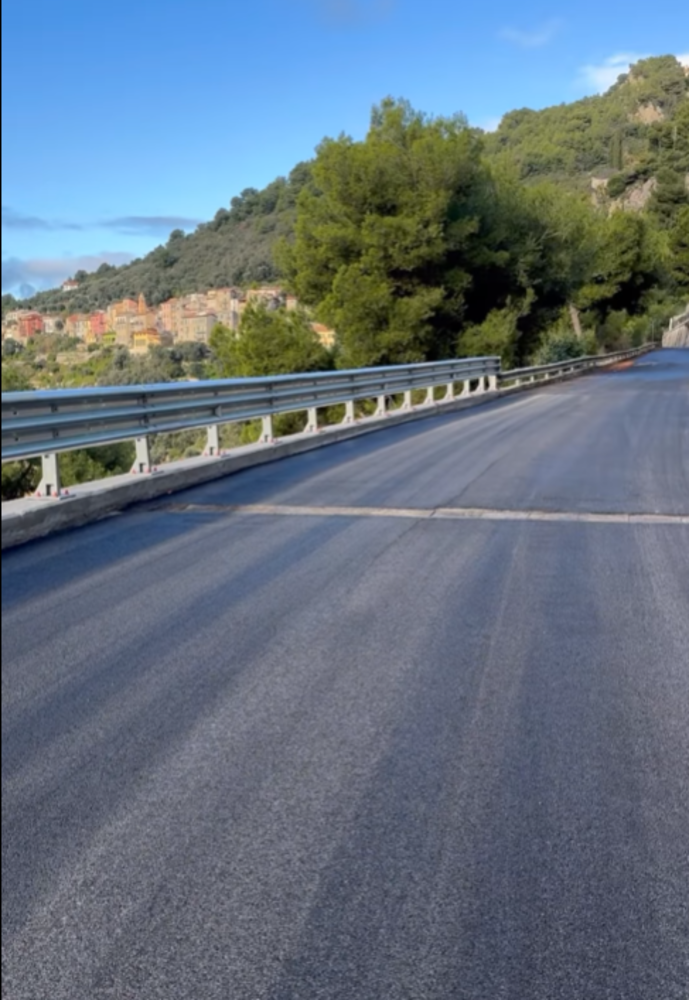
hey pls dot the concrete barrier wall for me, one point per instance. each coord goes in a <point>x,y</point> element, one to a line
<point>677,334</point>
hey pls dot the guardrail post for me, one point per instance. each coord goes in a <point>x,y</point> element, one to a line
<point>382,408</point>
<point>492,383</point>
<point>142,461</point>
<point>407,404</point>
<point>49,485</point>
<point>312,420</point>
<point>213,441</point>
<point>430,396</point>
<point>449,393</point>
<point>267,436</point>
<point>349,412</point>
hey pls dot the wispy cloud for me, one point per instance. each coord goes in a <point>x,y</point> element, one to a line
<point>535,38</point>
<point>16,220</point>
<point>599,77</point>
<point>47,272</point>
<point>148,225</point>
<point>129,225</point>
<point>12,219</point>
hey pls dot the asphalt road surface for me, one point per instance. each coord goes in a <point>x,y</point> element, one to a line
<point>406,718</point>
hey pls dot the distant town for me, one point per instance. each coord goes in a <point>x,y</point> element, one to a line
<point>133,324</point>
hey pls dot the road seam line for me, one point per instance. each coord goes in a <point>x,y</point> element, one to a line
<point>427,513</point>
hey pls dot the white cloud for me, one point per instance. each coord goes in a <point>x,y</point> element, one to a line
<point>599,77</point>
<point>535,38</point>
<point>490,124</point>
<point>51,271</point>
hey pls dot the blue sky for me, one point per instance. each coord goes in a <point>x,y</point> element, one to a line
<point>123,121</point>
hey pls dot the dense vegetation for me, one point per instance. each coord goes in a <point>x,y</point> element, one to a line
<point>630,131</point>
<point>270,342</point>
<point>413,244</point>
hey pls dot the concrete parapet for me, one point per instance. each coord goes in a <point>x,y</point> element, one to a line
<point>677,334</point>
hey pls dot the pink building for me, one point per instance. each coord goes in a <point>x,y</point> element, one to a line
<point>98,325</point>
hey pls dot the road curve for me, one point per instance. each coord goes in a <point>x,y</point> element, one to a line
<point>260,746</point>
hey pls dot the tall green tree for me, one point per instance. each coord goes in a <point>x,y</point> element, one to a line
<point>616,151</point>
<point>384,232</point>
<point>8,304</point>
<point>532,257</point>
<point>670,196</point>
<point>627,264</point>
<point>269,342</point>
<point>679,250</point>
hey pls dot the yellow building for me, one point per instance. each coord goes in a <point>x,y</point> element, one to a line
<point>143,339</point>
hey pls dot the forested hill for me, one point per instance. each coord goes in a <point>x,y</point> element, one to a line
<point>630,145</point>
<point>631,131</point>
<point>234,248</point>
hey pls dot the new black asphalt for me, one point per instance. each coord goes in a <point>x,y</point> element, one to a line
<point>251,756</point>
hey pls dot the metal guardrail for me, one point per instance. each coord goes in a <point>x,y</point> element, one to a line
<point>46,422</point>
<point>537,373</point>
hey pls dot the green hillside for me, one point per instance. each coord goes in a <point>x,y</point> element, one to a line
<point>634,135</point>
<point>639,126</point>
<point>234,248</point>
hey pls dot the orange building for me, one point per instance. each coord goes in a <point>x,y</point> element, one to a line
<point>127,307</point>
